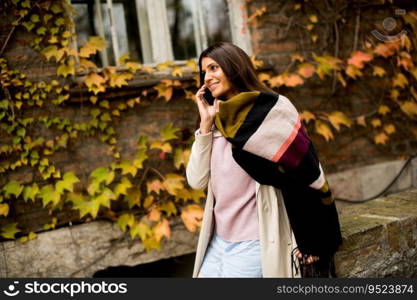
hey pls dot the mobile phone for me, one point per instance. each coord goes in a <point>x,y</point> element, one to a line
<point>208,97</point>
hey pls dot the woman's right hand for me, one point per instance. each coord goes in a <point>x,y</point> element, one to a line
<point>207,112</point>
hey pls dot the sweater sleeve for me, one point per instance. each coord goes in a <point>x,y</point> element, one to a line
<point>198,168</point>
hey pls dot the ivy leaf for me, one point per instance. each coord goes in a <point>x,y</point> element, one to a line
<point>127,167</point>
<point>133,197</point>
<point>119,80</point>
<point>103,174</point>
<point>8,231</point>
<point>122,187</point>
<point>12,188</point>
<point>94,44</point>
<point>104,198</point>
<point>389,128</point>
<point>140,229</point>
<point>173,183</point>
<point>48,194</point>
<point>378,71</point>
<point>400,80</point>
<point>383,110</point>
<point>67,68</point>
<point>154,186</point>
<point>169,208</point>
<point>353,71</point>
<point>151,243</point>
<point>196,195</point>
<point>336,118</point>
<point>324,130</point>
<point>307,116</point>
<point>148,202</point>
<point>93,187</point>
<point>95,82</point>
<point>84,205</point>
<point>306,70</point>
<point>162,229</point>
<point>192,216</point>
<point>125,220</point>
<point>181,157</point>
<point>376,122</point>
<point>154,214</point>
<point>30,192</point>
<point>4,209</point>
<point>66,183</point>
<point>381,138</point>
<point>140,157</point>
<point>165,147</point>
<point>168,132</point>
<point>183,194</point>
<point>358,59</point>
<point>361,120</point>
<point>409,107</point>
<point>164,91</point>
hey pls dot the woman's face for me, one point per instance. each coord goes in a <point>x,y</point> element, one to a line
<point>215,79</point>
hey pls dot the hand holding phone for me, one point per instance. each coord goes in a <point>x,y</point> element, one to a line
<point>208,97</point>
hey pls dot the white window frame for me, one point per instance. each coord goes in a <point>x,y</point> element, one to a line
<point>154,29</point>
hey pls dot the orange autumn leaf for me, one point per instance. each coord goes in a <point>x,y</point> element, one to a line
<point>154,214</point>
<point>384,50</point>
<point>292,80</point>
<point>376,122</point>
<point>119,80</point>
<point>389,128</point>
<point>192,216</point>
<point>324,130</point>
<point>307,116</point>
<point>154,186</point>
<point>296,57</point>
<point>162,229</point>
<point>264,77</point>
<point>381,138</point>
<point>358,59</point>
<point>409,107</point>
<point>353,71</point>
<point>164,91</point>
<point>95,82</point>
<point>306,70</point>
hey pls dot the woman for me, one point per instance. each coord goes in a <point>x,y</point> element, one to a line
<point>253,198</point>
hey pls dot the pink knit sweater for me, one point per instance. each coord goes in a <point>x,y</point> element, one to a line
<point>235,213</point>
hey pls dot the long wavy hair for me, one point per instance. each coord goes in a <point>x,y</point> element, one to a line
<point>236,65</point>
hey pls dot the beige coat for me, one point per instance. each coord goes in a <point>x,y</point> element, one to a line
<point>276,237</point>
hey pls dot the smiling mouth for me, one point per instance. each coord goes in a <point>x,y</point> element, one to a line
<point>213,86</point>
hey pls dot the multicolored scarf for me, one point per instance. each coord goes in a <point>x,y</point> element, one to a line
<point>271,144</point>
<point>270,127</point>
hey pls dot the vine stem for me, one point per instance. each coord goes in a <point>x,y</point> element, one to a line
<point>157,172</point>
<point>357,25</point>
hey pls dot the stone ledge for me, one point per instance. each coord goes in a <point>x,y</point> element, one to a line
<point>379,237</point>
<point>82,250</point>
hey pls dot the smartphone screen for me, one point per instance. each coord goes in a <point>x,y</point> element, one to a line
<point>208,97</point>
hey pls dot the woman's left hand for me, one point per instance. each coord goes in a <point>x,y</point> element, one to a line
<point>306,259</point>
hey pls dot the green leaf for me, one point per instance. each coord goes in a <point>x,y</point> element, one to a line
<point>84,205</point>
<point>12,188</point>
<point>141,230</point>
<point>122,187</point>
<point>140,157</point>
<point>133,197</point>
<point>168,132</point>
<point>48,194</point>
<point>103,174</point>
<point>66,183</point>
<point>8,231</point>
<point>105,197</point>
<point>125,220</point>
<point>30,192</point>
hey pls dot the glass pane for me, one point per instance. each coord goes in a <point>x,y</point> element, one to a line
<point>180,22</point>
<point>127,31</point>
<point>216,14</point>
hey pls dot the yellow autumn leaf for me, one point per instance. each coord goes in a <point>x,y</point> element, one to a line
<point>324,130</point>
<point>313,19</point>
<point>95,82</point>
<point>264,77</point>
<point>381,138</point>
<point>376,122</point>
<point>409,107</point>
<point>400,80</point>
<point>378,71</point>
<point>119,80</point>
<point>383,110</point>
<point>154,214</point>
<point>353,71</point>
<point>165,147</point>
<point>394,94</point>
<point>154,185</point>
<point>177,71</point>
<point>256,63</point>
<point>66,68</point>
<point>173,182</point>
<point>389,128</point>
<point>94,44</point>
<point>192,216</point>
<point>341,79</point>
<point>164,91</point>
<point>4,209</point>
<point>307,116</point>
<point>296,57</point>
<point>337,117</point>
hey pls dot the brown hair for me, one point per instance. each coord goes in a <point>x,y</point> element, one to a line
<point>236,65</point>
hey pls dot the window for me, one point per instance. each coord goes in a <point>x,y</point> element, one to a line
<point>153,31</point>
